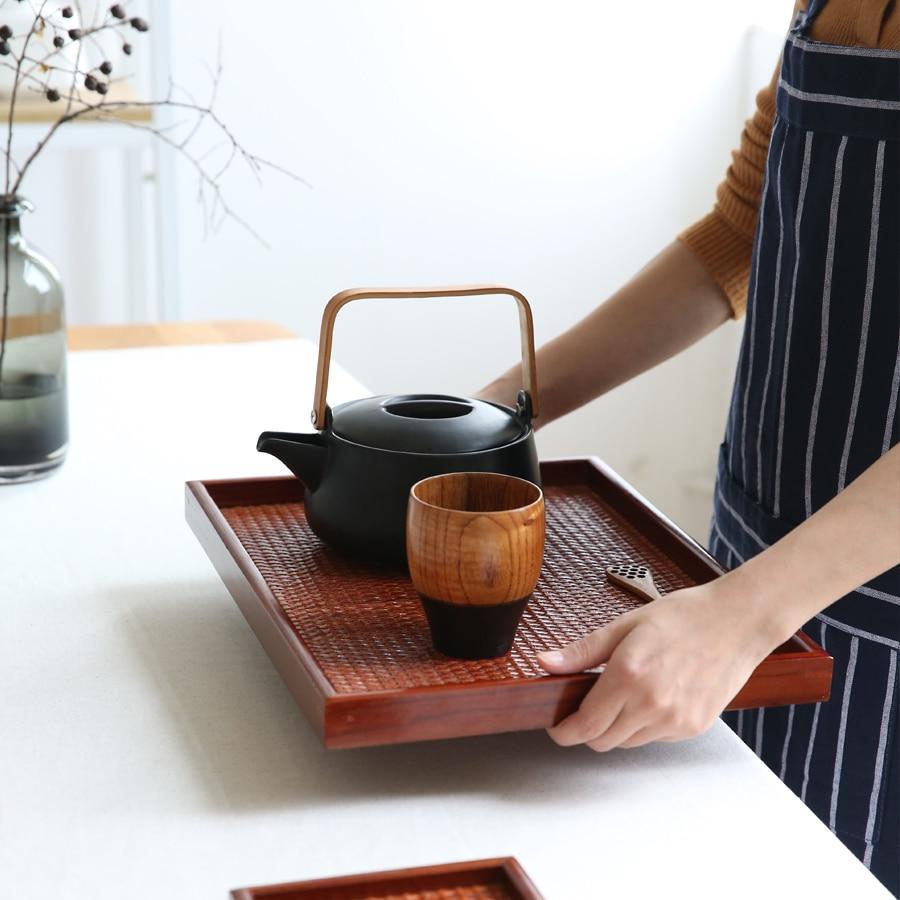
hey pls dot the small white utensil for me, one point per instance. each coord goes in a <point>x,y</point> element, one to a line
<point>635,578</point>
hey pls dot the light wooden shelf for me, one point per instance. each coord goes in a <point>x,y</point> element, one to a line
<point>34,108</point>
<point>118,337</point>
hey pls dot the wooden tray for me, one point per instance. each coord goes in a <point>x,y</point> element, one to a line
<point>351,641</point>
<point>485,879</point>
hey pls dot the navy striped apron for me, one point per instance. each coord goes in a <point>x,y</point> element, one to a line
<point>815,403</point>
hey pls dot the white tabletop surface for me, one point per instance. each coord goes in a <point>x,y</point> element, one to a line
<point>148,748</point>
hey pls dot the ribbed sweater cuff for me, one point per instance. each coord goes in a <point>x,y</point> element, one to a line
<point>725,254</point>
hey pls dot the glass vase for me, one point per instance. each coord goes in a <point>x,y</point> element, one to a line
<point>33,408</point>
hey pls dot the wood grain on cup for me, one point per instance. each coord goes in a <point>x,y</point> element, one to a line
<point>475,538</point>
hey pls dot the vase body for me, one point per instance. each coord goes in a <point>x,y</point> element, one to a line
<point>33,406</point>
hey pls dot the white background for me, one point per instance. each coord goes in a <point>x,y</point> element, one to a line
<point>553,147</point>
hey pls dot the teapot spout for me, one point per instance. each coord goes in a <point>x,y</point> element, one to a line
<point>303,454</point>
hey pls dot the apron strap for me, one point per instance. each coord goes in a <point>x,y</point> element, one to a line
<point>805,17</point>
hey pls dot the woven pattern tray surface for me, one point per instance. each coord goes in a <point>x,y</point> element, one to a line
<point>366,628</point>
<point>351,641</point>
<point>490,879</point>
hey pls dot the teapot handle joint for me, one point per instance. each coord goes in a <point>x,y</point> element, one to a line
<point>524,409</point>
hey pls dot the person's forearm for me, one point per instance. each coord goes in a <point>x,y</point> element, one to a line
<point>669,305</point>
<point>849,541</point>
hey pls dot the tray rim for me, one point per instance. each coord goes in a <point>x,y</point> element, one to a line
<point>254,576</point>
<point>334,713</point>
<point>508,865</point>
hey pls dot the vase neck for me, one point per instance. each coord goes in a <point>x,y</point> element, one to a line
<point>12,208</point>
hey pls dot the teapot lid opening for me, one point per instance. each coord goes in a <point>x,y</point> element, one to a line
<point>427,423</point>
<point>428,407</point>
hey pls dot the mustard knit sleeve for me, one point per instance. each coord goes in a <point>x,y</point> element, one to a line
<point>723,240</point>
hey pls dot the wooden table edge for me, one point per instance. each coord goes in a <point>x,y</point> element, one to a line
<point>170,334</point>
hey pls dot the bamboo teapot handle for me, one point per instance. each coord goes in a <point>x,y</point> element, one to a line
<point>326,334</point>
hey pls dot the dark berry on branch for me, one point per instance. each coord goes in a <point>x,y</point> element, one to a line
<point>59,41</point>
<point>5,49</point>
<point>74,33</point>
<point>102,87</point>
<point>117,11</point>
<point>106,68</point>
<point>139,24</point>
<point>126,49</point>
<point>67,12</point>
<point>52,95</point>
<point>5,32</point>
<point>90,82</point>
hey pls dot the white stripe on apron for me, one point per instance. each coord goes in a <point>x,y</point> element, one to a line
<point>812,730</point>
<point>866,314</point>
<point>842,733</point>
<point>826,301</point>
<point>751,328</point>
<point>804,181</point>
<point>775,303</point>
<point>879,757</point>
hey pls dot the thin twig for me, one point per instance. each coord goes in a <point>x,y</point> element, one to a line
<point>204,177</point>
<point>12,109</point>
<point>9,136</point>
<point>5,324</point>
<point>74,89</point>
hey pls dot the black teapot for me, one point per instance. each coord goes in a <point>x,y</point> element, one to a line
<point>360,464</point>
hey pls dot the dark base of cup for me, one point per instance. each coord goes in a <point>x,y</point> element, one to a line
<point>473,632</point>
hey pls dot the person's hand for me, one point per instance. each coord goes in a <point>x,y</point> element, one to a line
<point>503,390</point>
<point>672,666</point>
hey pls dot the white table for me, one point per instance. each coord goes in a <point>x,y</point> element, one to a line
<point>148,748</point>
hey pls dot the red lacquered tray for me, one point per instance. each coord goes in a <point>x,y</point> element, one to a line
<point>351,641</point>
<point>485,879</point>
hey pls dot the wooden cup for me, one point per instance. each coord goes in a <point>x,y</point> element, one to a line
<point>474,544</point>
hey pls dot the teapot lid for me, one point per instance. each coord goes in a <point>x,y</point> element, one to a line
<point>427,423</point>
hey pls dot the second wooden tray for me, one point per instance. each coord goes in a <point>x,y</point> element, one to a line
<point>351,641</point>
<point>484,879</point>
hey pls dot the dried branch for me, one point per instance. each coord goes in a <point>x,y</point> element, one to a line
<point>9,136</point>
<point>74,88</point>
<point>206,180</point>
<point>104,109</point>
<point>93,102</point>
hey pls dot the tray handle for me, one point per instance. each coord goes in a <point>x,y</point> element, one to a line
<point>526,330</point>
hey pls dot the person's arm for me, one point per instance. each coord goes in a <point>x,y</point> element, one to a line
<point>689,289</point>
<point>672,666</point>
<point>669,305</point>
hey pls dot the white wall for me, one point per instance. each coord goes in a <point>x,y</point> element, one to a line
<point>553,147</point>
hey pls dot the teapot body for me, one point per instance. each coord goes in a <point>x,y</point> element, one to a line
<point>359,505</point>
<point>365,455</point>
